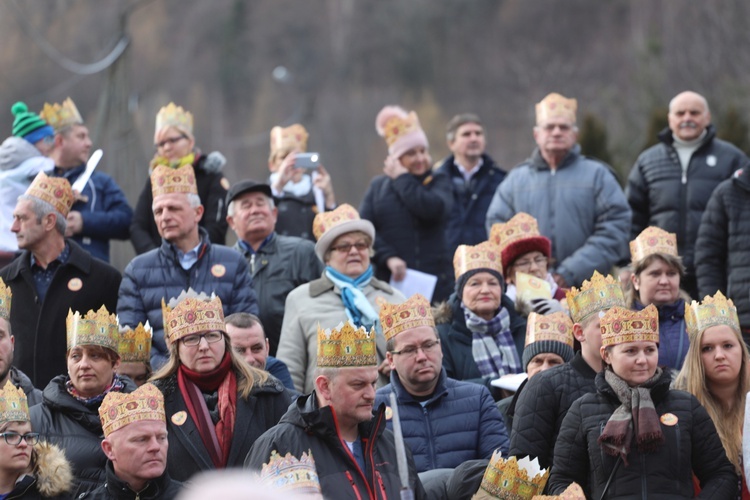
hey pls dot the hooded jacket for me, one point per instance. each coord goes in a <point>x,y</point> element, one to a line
<point>51,476</point>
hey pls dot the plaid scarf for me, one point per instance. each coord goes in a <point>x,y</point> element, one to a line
<point>635,415</point>
<point>492,344</point>
<point>94,402</point>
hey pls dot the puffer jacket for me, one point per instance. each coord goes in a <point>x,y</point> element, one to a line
<point>114,488</point>
<point>20,380</point>
<point>157,275</point>
<point>51,476</point>
<point>691,446</point>
<point>458,423</point>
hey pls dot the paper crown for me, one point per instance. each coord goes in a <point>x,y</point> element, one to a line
<point>346,346</point>
<point>713,311</point>
<point>13,404</point>
<point>174,116</point>
<point>54,190</point>
<point>95,328</point>
<point>467,258</point>
<point>397,318</point>
<point>289,474</point>
<point>512,478</point>
<point>653,240</point>
<point>556,327</point>
<point>61,115</point>
<point>192,314</point>
<point>518,236</point>
<point>572,492</point>
<point>620,325</point>
<point>165,180</point>
<point>6,296</point>
<point>394,123</point>
<point>556,106</point>
<point>595,295</point>
<point>135,344</point>
<point>291,138</point>
<point>119,409</point>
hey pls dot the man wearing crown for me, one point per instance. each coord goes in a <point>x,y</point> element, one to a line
<point>577,200</point>
<point>100,212</point>
<point>355,455</point>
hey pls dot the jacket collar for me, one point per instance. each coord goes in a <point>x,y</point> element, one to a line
<point>78,258</point>
<point>405,397</point>
<point>582,367</point>
<point>119,489</point>
<point>170,251</point>
<point>539,163</point>
<point>666,137</point>
<point>269,247</point>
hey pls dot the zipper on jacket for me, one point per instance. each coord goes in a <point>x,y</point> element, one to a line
<point>348,452</point>
<point>430,439</point>
<point>381,485</point>
<point>354,485</point>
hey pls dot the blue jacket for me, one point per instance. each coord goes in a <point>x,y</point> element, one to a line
<point>106,214</point>
<point>459,422</point>
<point>673,336</point>
<point>157,274</point>
<point>278,369</point>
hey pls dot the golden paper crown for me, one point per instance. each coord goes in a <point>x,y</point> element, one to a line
<point>556,326</point>
<point>467,258</point>
<point>653,240</point>
<point>595,295</point>
<point>512,478</point>
<point>346,346</point>
<point>556,106</point>
<point>119,409</point>
<point>520,227</point>
<point>713,311</point>
<point>396,127</point>
<point>54,190</point>
<point>61,115</point>
<point>620,325</point>
<point>572,492</point>
<point>165,180</point>
<point>325,221</point>
<point>397,318</point>
<point>135,344</point>
<point>192,315</point>
<point>95,328</point>
<point>6,295</point>
<point>13,404</point>
<point>291,138</point>
<point>289,474</point>
<point>174,116</point>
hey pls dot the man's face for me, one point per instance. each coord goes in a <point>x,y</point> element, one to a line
<point>7,342</point>
<point>253,218</point>
<point>136,370</point>
<point>555,136</point>
<point>589,334</point>
<point>175,218</point>
<point>688,116</point>
<point>420,360</point>
<point>352,394</point>
<point>74,146</point>
<point>138,451</point>
<point>29,231</point>
<point>469,141</point>
<point>250,343</point>
<point>543,361</point>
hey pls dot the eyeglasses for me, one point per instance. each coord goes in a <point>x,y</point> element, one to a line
<point>361,246</point>
<point>14,438</point>
<point>411,350</point>
<point>194,340</point>
<point>170,140</point>
<point>526,264</point>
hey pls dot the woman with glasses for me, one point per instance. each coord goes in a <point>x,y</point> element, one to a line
<point>175,147</point>
<point>216,404</point>
<point>346,291</point>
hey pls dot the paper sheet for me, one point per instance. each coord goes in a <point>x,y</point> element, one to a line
<point>416,282</point>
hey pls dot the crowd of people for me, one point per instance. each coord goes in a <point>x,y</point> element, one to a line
<point>466,333</point>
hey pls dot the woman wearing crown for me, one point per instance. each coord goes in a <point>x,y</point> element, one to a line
<point>635,437</point>
<point>717,372</point>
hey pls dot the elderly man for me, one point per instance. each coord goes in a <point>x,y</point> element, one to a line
<point>52,275</point>
<point>355,455</point>
<point>278,264</point>
<point>576,200</point>
<point>671,182</point>
<point>186,259</point>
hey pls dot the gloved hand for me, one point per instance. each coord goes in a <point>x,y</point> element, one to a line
<point>546,306</point>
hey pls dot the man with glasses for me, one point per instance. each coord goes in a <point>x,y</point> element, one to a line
<point>576,200</point>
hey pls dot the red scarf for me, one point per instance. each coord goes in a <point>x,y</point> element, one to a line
<point>218,441</point>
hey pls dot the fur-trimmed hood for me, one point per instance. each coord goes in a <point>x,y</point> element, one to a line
<point>443,313</point>
<point>53,472</point>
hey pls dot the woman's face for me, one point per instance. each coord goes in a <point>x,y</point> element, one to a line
<point>90,370</point>
<point>173,144</point>
<point>721,354</point>
<point>658,284</point>
<point>204,357</point>
<point>15,459</point>
<point>533,263</point>
<point>634,362</point>
<point>482,294</point>
<point>416,160</point>
<point>349,254</point>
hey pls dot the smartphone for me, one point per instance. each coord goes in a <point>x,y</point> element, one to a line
<point>309,161</point>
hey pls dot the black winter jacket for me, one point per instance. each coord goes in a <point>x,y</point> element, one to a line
<point>161,488</point>
<point>20,380</point>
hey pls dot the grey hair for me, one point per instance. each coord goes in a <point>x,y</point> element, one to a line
<point>193,199</point>
<point>230,207</point>
<point>42,208</point>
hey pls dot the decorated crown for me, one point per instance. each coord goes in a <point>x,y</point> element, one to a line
<point>54,190</point>
<point>595,295</point>
<point>291,138</point>
<point>713,311</point>
<point>325,221</point>
<point>289,474</point>
<point>135,344</point>
<point>193,313</point>
<point>397,318</point>
<point>512,478</point>
<point>346,346</point>
<point>174,116</point>
<point>556,326</point>
<point>165,180</point>
<point>6,294</point>
<point>653,240</point>
<point>13,404</point>
<point>393,123</point>
<point>119,409</point>
<point>95,328</point>
<point>556,106</point>
<point>620,325</point>
<point>467,258</point>
<point>61,115</point>
<point>518,236</point>
<point>572,492</point>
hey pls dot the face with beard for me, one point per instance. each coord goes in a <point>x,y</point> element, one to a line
<point>7,342</point>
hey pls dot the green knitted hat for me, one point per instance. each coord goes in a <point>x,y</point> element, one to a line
<point>26,121</point>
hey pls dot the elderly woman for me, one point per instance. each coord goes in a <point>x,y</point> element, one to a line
<point>635,437</point>
<point>716,372</point>
<point>69,413</point>
<point>409,205</point>
<point>175,147</point>
<point>346,291</point>
<point>657,271</point>
<point>217,405</point>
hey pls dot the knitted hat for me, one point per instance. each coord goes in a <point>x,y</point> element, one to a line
<point>556,106</point>
<point>401,130</point>
<point>519,236</point>
<point>551,333</point>
<point>29,125</point>
<point>327,226</point>
<point>118,409</point>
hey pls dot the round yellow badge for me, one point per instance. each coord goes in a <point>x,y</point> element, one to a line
<point>75,284</point>
<point>388,413</point>
<point>669,419</point>
<point>218,270</point>
<point>179,418</point>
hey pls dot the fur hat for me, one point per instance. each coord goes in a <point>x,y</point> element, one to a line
<point>401,130</point>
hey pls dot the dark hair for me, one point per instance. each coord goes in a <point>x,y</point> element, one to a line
<point>243,320</point>
<point>106,352</point>
<point>457,121</point>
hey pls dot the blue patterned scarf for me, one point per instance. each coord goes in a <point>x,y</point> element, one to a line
<point>358,308</point>
<point>492,344</point>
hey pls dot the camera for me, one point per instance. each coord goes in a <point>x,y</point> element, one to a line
<point>309,161</point>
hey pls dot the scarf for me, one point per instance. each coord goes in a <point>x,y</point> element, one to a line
<point>117,385</point>
<point>635,415</point>
<point>492,344</point>
<point>358,308</point>
<point>192,384</point>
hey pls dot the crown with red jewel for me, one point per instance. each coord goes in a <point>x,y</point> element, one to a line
<point>397,318</point>
<point>467,258</point>
<point>289,474</point>
<point>119,409</point>
<point>597,294</point>
<point>620,325</point>
<point>192,313</point>
<point>653,240</point>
